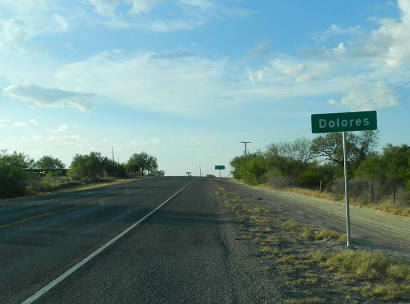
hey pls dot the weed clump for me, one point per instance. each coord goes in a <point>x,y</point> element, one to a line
<point>390,278</point>
<point>326,234</point>
<point>292,225</point>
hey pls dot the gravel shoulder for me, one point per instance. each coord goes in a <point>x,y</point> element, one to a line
<point>370,229</point>
<point>250,280</point>
<point>296,247</point>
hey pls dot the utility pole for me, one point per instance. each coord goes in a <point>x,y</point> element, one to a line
<point>112,151</point>
<point>245,142</point>
<point>200,171</point>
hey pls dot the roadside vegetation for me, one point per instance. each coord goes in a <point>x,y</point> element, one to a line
<point>315,168</point>
<point>312,264</point>
<point>21,175</point>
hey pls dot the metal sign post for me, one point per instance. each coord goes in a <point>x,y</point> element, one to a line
<point>343,122</point>
<point>219,168</point>
<point>346,191</point>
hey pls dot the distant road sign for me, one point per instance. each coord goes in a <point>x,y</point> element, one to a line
<point>220,167</point>
<point>341,122</point>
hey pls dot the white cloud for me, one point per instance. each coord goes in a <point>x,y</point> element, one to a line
<point>20,6</point>
<point>44,97</point>
<point>105,7</point>
<point>203,4</point>
<point>12,33</point>
<point>142,6</point>
<point>186,14</point>
<point>33,122</point>
<point>332,101</point>
<point>148,80</point>
<point>74,139</point>
<point>63,128</point>
<point>20,124</point>
<point>388,44</point>
<point>368,97</point>
<point>261,51</point>
<point>291,70</point>
<point>35,138</point>
<point>61,23</point>
<point>255,76</point>
<point>158,81</point>
<point>173,25</point>
<point>337,30</point>
<point>137,7</point>
<point>23,124</point>
<point>340,49</point>
<point>32,18</point>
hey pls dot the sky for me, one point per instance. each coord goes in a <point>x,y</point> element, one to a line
<point>188,80</point>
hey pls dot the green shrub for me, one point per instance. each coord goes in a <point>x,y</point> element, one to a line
<point>87,168</point>
<point>12,174</point>
<point>309,178</point>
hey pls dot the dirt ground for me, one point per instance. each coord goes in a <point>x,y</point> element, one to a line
<point>370,229</point>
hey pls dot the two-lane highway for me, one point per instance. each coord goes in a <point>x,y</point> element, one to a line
<point>42,237</point>
<point>147,241</point>
<point>175,256</point>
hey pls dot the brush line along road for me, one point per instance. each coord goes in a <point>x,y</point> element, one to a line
<point>52,247</point>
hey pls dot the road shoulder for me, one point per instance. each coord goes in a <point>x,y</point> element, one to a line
<point>251,283</point>
<point>371,229</point>
<point>311,263</point>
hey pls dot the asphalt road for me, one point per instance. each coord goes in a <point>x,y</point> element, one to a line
<point>177,255</point>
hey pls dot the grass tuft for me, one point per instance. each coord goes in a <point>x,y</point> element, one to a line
<point>388,291</point>
<point>314,300</point>
<point>292,225</point>
<point>327,234</point>
<point>308,233</point>
<point>367,265</point>
<point>316,256</point>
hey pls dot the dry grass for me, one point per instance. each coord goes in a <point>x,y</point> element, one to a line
<point>370,274</point>
<point>389,291</point>
<point>384,277</point>
<point>387,207</point>
<point>368,265</point>
<point>312,193</point>
<point>308,233</point>
<point>292,225</point>
<point>316,256</point>
<point>313,300</point>
<point>403,211</point>
<point>327,234</point>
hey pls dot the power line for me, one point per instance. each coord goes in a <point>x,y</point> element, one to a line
<point>370,101</point>
<point>382,95</point>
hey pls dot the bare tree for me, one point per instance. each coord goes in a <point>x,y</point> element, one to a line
<point>330,147</point>
<point>298,150</point>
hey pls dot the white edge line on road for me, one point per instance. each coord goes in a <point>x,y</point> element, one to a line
<point>66,274</point>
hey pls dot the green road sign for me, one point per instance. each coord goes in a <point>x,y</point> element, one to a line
<point>341,122</point>
<point>220,167</point>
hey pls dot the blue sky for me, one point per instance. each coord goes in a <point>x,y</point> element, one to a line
<point>187,80</point>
